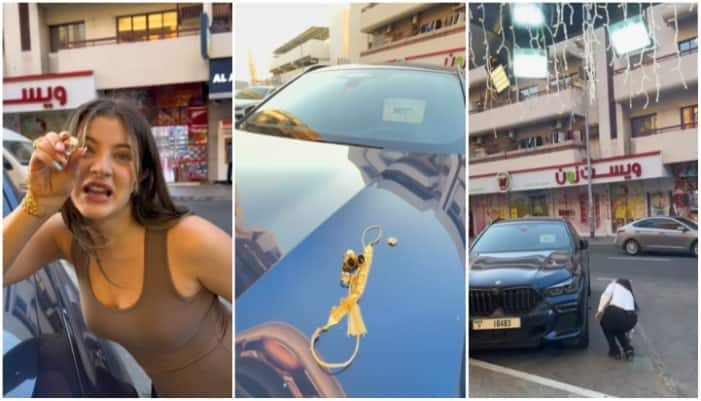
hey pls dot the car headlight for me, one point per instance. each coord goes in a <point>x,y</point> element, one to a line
<point>568,286</point>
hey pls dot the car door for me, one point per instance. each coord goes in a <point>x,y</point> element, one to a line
<point>674,235</point>
<point>645,232</point>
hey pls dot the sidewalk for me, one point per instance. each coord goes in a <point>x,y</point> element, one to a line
<point>601,241</point>
<point>185,192</point>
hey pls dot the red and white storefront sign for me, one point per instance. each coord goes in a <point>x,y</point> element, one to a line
<point>61,91</point>
<point>614,169</point>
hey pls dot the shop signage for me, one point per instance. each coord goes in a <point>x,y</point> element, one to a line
<point>573,175</point>
<point>221,78</point>
<point>504,181</point>
<point>48,92</point>
<point>610,170</point>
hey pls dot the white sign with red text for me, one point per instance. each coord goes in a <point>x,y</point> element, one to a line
<point>615,169</point>
<point>47,92</point>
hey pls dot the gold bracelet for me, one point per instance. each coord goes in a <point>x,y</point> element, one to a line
<point>30,205</point>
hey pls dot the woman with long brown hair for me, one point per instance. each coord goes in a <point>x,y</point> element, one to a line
<point>150,274</point>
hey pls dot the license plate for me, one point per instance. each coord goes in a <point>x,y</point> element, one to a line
<point>496,324</point>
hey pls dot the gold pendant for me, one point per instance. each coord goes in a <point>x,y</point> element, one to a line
<point>355,270</point>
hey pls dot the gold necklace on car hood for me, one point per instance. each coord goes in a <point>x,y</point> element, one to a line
<point>354,275</point>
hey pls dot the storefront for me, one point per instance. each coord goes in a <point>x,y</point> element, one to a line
<point>619,186</point>
<point>36,104</point>
<point>178,117</point>
<point>220,105</point>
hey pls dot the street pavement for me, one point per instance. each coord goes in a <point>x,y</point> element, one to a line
<point>665,340</point>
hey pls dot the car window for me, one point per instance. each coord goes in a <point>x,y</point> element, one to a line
<point>21,150</point>
<point>252,93</point>
<point>688,222</point>
<point>666,224</point>
<point>518,237</point>
<point>647,223</point>
<point>398,108</point>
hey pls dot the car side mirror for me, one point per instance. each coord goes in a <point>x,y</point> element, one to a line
<point>583,244</point>
<point>682,229</point>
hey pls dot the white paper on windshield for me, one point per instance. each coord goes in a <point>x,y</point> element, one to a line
<point>547,239</point>
<point>402,110</point>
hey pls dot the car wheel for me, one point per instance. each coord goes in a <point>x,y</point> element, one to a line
<point>695,248</point>
<point>631,247</point>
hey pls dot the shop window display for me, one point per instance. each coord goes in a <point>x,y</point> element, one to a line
<point>628,203</point>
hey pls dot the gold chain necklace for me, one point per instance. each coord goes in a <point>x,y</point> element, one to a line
<point>354,275</point>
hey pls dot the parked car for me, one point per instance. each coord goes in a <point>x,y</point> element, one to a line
<point>245,99</point>
<point>331,153</point>
<point>16,152</point>
<point>529,285</point>
<point>47,349</point>
<point>676,234</point>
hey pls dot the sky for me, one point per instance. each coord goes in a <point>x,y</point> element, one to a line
<point>263,27</point>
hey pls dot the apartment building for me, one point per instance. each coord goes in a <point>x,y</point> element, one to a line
<point>172,59</point>
<point>308,48</point>
<point>428,33</point>
<point>527,143</point>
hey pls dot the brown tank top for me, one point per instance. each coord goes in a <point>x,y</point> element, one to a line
<point>183,344</point>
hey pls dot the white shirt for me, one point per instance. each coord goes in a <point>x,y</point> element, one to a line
<point>617,295</point>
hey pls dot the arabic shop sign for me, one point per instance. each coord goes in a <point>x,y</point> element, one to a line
<point>617,169</point>
<point>575,174</point>
<point>504,181</point>
<point>47,92</point>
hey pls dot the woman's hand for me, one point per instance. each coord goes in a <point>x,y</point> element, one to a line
<point>597,316</point>
<point>52,171</point>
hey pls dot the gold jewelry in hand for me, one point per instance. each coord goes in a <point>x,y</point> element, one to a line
<point>30,205</point>
<point>354,275</point>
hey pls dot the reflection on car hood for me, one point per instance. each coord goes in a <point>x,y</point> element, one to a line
<point>315,200</point>
<point>245,102</point>
<point>519,268</point>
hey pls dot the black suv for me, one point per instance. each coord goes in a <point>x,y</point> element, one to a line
<point>529,284</point>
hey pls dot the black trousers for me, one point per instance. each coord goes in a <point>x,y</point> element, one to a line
<point>615,323</point>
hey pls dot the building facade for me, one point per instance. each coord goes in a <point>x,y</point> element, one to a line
<point>527,144</point>
<point>308,48</point>
<point>428,33</point>
<point>170,59</point>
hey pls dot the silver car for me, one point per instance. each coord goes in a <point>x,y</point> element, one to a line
<point>659,234</point>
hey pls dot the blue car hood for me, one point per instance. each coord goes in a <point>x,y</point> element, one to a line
<point>315,200</point>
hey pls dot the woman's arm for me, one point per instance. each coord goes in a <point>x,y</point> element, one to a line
<point>203,252</point>
<point>29,240</point>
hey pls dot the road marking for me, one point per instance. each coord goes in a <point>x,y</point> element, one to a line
<point>645,259</point>
<point>605,278</point>
<point>572,389</point>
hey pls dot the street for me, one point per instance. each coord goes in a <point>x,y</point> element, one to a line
<point>665,340</point>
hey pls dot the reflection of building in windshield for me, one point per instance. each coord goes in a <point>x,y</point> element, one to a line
<point>279,123</point>
<point>425,181</point>
<point>256,251</point>
<point>274,360</point>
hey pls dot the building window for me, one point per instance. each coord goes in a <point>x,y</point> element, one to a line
<point>688,46</point>
<point>189,16</point>
<point>529,91</point>
<point>690,116</point>
<point>644,125</point>
<point>221,17</point>
<point>67,36</point>
<point>151,26</point>
<point>25,38</point>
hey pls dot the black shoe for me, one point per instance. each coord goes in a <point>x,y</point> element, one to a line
<point>615,355</point>
<point>629,355</point>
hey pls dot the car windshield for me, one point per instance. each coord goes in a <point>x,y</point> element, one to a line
<point>254,93</point>
<point>688,222</point>
<point>520,237</point>
<point>399,108</point>
<point>21,150</point>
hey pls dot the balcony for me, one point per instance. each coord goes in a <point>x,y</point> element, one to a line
<point>504,112</point>
<point>309,52</point>
<point>677,143</point>
<point>134,64</point>
<point>571,151</point>
<point>376,15</point>
<point>629,84</point>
